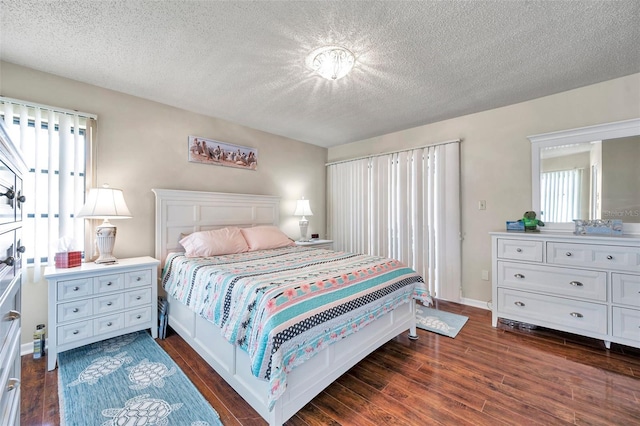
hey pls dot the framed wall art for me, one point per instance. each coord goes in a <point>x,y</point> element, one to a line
<point>209,151</point>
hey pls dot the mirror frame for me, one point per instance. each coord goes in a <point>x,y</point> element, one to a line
<point>603,132</point>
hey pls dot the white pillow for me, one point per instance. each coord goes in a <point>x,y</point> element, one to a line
<point>266,237</point>
<point>214,242</point>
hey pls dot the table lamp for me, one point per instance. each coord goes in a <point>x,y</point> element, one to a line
<point>105,203</point>
<point>303,209</point>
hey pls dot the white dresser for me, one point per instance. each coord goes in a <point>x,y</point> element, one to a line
<point>587,285</point>
<point>93,302</point>
<point>12,169</point>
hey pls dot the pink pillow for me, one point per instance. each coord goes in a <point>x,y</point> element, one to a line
<point>266,237</point>
<point>214,242</point>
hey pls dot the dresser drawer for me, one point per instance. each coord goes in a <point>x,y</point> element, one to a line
<point>76,310</point>
<point>10,311</point>
<point>626,323</point>
<point>137,297</point>
<point>7,183</point>
<point>107,283</point>
<point>10,381</point>
<point>625,289</point>
<point>73,289</point>
<point>138,278</point>
<point>564,314</point>
<point>579,283</point>
<point>108,324</point>
<point>7,250</point>
<point>73,332</point>
<point>621,258</point>
<point>108,303</point>
<point>520,250</point>
<point>137,316</point>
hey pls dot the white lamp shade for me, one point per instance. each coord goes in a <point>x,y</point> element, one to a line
<point>105,203</point>
<point>303,208</point>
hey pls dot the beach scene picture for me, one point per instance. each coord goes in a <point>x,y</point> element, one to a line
<point>209,151</point>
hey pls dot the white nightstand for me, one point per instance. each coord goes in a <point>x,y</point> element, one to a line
<point>320,244</point>
<point>93,302</point>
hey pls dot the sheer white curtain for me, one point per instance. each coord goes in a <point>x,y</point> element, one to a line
<point>404,205</point>
<point>56,146</point>
<point>561,194</point>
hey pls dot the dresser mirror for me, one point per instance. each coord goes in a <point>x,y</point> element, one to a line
<point>587,173</point>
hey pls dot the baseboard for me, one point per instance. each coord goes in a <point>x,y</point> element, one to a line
<point>476,303</point>
<point>27,348</point>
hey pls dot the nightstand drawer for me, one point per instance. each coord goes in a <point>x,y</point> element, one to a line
<point>73,311</point>
<point>137,297</point>
<point>73,332</point>
<point>75,288</point>
<point>138,278</point>
<point>108,303</point>
<point>107,283</point>
<point>137,316</point>
<point>108,324</point>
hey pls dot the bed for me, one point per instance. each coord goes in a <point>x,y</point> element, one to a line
<point>277,380</point>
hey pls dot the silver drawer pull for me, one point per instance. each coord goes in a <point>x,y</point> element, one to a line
<point>75,310</point>
<point>109,283</point>
<point>568,254</point>
<point>12,383</point>
<point>576,283</point>
<point>138,316</point>
<point>609,257</point>
<point>576,314</point>
<point>109,303</point>
<point>109,324</point>
<point>76,331</point>
<point>519,276</point>
<point>9,261</point>
<point>76,288</point>
<point>139,279</point>
<point>518,303</point>
<point>519,250</point>
<point>12,315</point>
<point>139,297</point>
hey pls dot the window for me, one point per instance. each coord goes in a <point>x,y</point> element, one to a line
<point>403,205</point>
<point>56,146</point>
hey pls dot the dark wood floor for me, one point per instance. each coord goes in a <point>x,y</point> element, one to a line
<point>483,376</point>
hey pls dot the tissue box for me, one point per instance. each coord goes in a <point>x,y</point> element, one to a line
<point>515,225</point>
<point>68,259</point>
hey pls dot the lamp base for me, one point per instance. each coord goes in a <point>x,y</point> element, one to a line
<point>105,240</point>
<point>304,226</point>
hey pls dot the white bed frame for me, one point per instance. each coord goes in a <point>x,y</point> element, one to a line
<point>189,211</point>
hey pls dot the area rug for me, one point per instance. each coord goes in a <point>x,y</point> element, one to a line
<point>440,322</point>
<point>128,380</point>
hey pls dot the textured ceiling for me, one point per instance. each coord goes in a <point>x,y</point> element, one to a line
<point>417,62</point>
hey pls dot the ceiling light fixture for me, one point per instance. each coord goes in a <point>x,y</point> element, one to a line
<point>331,62</point>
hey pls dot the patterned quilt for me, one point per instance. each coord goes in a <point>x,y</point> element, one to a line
<point>283,306</point>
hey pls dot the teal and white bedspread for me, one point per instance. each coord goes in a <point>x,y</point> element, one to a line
<point>283,306</point>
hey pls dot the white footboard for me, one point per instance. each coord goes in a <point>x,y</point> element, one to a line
<point>305,381</point>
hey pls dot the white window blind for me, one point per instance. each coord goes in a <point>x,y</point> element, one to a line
<point>404,205</point>
<point>56,146</point>
<point>561,194</point>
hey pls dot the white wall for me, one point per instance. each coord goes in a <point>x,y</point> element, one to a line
<point>496,158</point>
<point>143,145</point>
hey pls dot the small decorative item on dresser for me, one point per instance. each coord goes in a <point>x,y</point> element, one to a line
<point>598,227</point>
<point>69,259</point>
<point>530,222</point>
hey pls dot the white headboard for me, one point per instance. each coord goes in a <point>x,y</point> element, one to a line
<point>183,212</point>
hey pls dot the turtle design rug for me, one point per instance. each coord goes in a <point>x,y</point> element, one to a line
<point>441,322</point>
<point>129,379</point>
